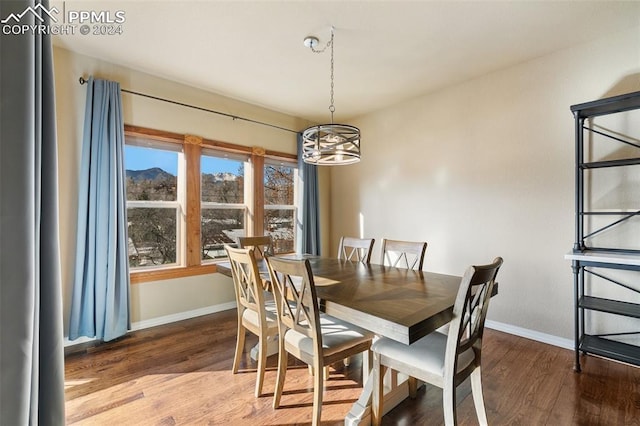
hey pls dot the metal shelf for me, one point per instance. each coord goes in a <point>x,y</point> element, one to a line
<point>611,163</point>
<point>586,260</point>
<point>617,307</point>
<point>610,105</point>
<point>610,349</point>
<point>610,212</point>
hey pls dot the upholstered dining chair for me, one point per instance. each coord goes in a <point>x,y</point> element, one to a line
<point>403,254</point>
<point>444,360</point>
<point>314,338</point>
<point>254,312</point>
<point>352,248</point>
<point>262,245</point>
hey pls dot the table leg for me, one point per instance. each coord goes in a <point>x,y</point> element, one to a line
<point>361,411</point>
<point>272,348</point>
<point>396,391</point>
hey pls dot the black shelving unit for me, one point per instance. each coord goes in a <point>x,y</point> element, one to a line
<point>587,257</point>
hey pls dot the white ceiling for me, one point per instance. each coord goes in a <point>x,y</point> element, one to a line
<point>385,51</point>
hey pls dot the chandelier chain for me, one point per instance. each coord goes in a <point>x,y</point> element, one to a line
<point>332,107</point>
<point>326,46</point>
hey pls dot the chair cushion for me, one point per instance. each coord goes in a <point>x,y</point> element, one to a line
<point>251,317</point>
<point>270,307</point>
<point>426,354</point>
<point>337,335</point>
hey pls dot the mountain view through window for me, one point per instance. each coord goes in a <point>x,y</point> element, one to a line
<point>156,193</point>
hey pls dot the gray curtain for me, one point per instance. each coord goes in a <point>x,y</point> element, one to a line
<point>31,338</point>
<point>100,301</point>
<point>309,213</point>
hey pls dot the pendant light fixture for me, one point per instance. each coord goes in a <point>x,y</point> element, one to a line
<point>330,144</point>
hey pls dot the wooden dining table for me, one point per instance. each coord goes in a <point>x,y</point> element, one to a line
<point>401,304</point>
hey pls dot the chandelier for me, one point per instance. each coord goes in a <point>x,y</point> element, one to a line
<point>330,144</point>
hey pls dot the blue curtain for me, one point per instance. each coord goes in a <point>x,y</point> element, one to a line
<point>100,301</point>
<point>31,336</point>
<point>309,212</point>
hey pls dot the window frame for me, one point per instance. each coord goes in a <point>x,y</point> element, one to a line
<point>192,149</point>
<point>246,160</point>
<point>179,204</point>
<point>296,187</point>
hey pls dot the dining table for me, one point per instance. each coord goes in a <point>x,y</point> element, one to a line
<point>397,303</point>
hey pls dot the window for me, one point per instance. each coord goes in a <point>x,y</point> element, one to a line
<point>154,203</point>
<point>223,207</point>
<point>280,209</point>
<point>187,197</point>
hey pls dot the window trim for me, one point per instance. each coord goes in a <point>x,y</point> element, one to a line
<point>282,162</point>
<point>192,147</point>
<point>178,204</point>
<point>173,205</point>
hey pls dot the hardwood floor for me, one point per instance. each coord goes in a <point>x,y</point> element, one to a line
<point>180,374</point>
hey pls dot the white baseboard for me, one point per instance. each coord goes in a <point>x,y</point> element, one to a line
<point>78,341</point>
<point>153,322</point>
<point>530,334</point>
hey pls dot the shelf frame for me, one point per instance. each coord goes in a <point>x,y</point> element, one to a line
<point>612,105</point>
<point>585,258</point>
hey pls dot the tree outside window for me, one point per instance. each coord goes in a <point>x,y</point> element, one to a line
<point>223,210</point>
<point>152,206</point>
<point>188,197</point>
<point>279,211</point>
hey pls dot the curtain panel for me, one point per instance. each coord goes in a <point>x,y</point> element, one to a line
<point>31,334</point>
<point>309,212</point>
<point>100,300</point>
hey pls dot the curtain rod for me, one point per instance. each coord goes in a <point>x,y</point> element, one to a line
<point>234,117</point>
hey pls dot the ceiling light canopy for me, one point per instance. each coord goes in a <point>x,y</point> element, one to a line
<point>330,144</point>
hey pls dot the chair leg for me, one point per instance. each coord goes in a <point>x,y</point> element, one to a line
<point>262,361</point>
<point>325,371</point>
<point>449,404</point>
<point>239,346</point>
<point>377,403</point>
<point>478,400</point>
<point>318,381</point>
<point>367,361</point>
<point>283,357</point>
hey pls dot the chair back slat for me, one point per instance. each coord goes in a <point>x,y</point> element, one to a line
<point>295,295</point>
<point>470,312</point>
<point>246,279</point>
<point>403,254</point>
<point>262,246</point>
<point>358,249</point>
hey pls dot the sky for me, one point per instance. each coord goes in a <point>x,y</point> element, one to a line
<point>140,158</point>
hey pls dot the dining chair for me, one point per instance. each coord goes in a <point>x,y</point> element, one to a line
<point>352,248</point>
<point>254,312</point>
<point>439,359</point>
<point>316,339</point>
<point>262,245</point>
<point>359,249</point>
<point>403,254</point>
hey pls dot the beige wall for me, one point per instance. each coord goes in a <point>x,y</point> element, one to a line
<point>484,169</point>
<point>170,297</point>
<point>480,169</point>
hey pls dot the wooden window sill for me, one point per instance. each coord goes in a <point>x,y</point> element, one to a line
<point>138,277</point>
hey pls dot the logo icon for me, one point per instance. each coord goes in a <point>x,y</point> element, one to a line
<point>36,11</point>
